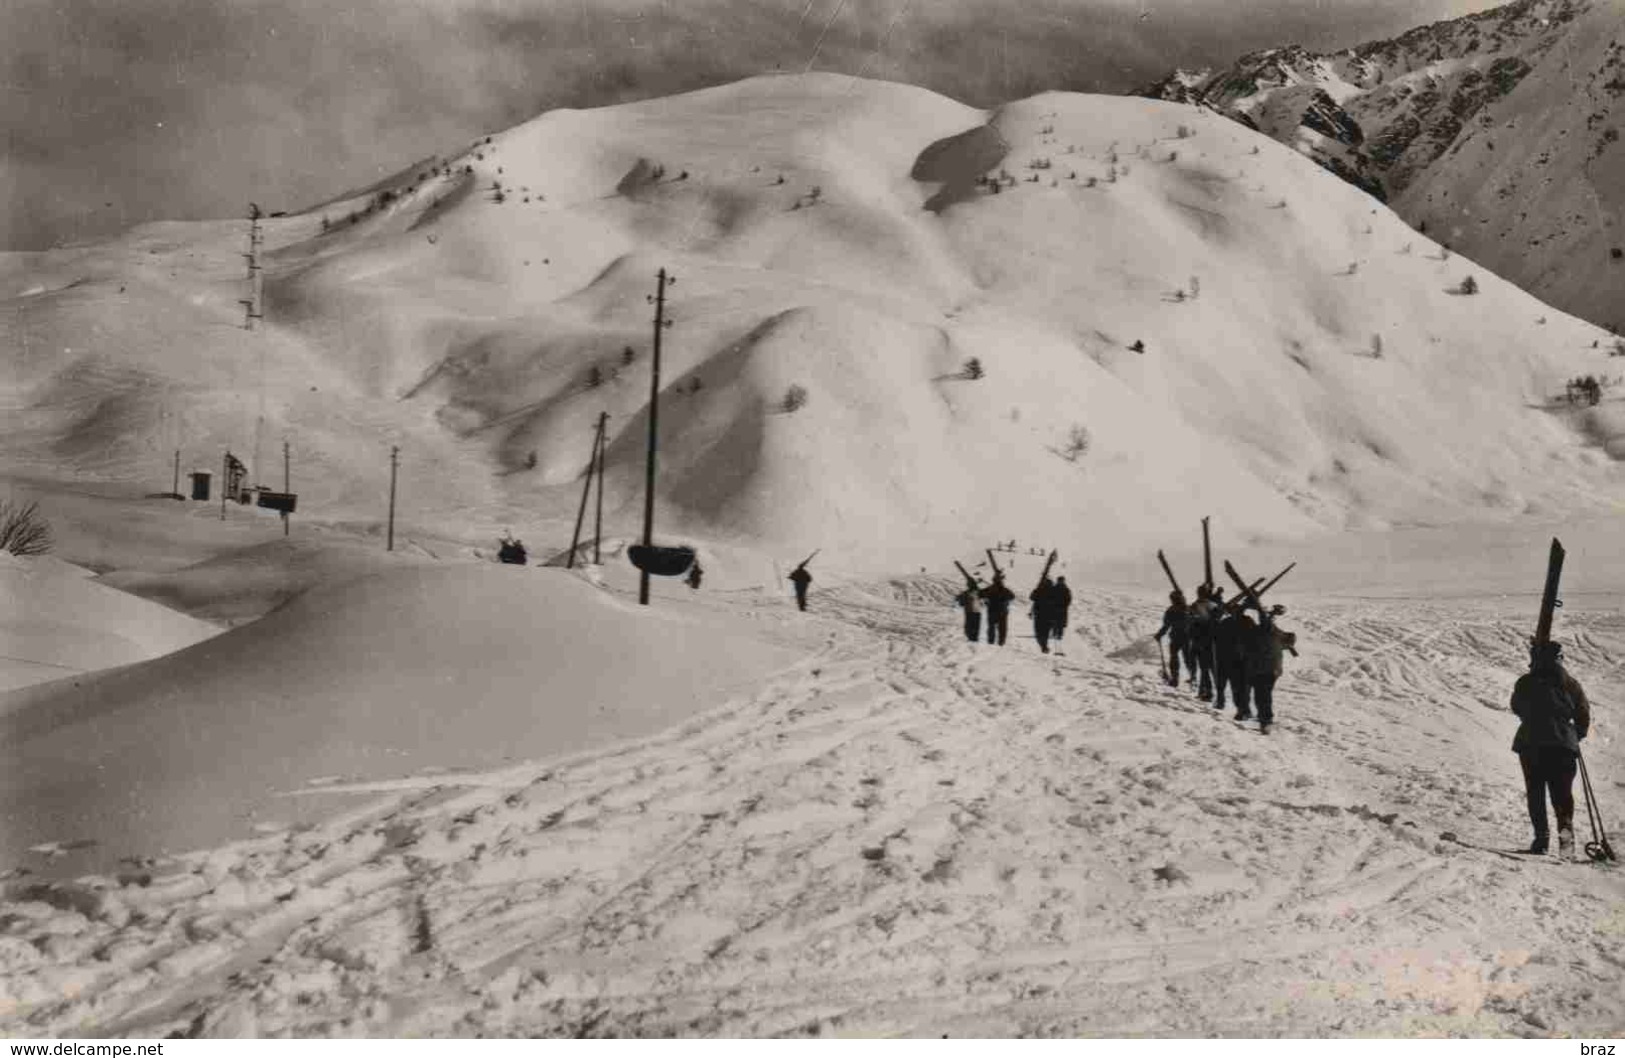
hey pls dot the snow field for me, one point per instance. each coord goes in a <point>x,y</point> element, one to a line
<point>904,833</point>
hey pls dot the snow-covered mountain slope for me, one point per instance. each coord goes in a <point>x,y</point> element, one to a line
<point>1306,363</point>
<point>1497,133</point>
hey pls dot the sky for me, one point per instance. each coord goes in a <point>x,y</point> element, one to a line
<point>118,112</point>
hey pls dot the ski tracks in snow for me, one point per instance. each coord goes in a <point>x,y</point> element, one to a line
<point>907,834</point>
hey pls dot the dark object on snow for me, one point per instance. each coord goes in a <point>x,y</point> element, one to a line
<point>1138,346</point>
<point>694,575</point>
<point>279,501</point>
<point>200,484</point>
<point>661,561</point>
<point>512,551</point>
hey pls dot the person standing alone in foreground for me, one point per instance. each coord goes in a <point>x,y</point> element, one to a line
<point>1554,716</point>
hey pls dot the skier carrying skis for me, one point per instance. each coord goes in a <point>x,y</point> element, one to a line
<point>1043,612</point>
<point>1201,640</point>
<point>1263,663</point>
<point>998,599</point>
<point>1175,627</point>
<point>1223,635</point>
<point>1554,717</point>
<point>971,601</point>
<point>801,578</point>
<point>1062,598</point>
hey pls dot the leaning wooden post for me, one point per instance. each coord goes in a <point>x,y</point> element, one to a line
<point>287,488</point>
<point>586,490</point>
<point>598,516</point>
<point>394,462</point>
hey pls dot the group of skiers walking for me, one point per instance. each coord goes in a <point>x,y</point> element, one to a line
<point>1051,601</point>
<point>1226,649</point>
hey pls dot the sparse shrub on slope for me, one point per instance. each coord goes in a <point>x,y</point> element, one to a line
<point>23,530</point>
<point>1077,443</point>
<point>1469,285</point>
<point>972,369</point>
<point>795,398</point>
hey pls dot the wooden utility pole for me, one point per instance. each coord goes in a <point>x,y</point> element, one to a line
<point>225,475</point>
<point>177,489</point>
<point>598,517</point>
<point>654,414</point>
<point>394,461</point>
<point>252,305</point>
<point>286,490</point>
<point>586,490</point>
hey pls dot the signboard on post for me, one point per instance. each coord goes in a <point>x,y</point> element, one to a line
<point>661,561</point>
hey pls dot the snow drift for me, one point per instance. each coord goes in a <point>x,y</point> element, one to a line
<point>448,667</point>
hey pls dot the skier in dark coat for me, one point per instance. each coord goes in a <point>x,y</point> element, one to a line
<point>998,599</point>
<point>1263,663</point>
<point>801,578</point>
<point>1201,640</point>
<point>1043,600</point>
<point>971,601</point>
<point>1174,626</point>
<point>1063,604</point>
<point>1224,648</point>
<point>1555,716</point>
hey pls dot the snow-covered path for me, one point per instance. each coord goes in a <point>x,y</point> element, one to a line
<point>908,834</point>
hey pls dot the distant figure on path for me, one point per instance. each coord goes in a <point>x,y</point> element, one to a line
<point>998,599</point>
<point>971,601</point>
<point>1174,626</point>
<point>694,575</point>
<point>1554,716</point>
<point>801,578</point>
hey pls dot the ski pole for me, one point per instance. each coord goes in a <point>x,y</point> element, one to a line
<point>1597,848</point>
<point>1162,661</point>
